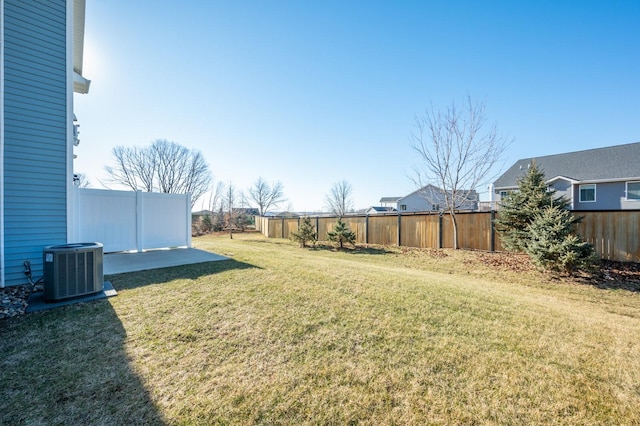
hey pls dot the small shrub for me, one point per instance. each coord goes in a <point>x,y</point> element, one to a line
<point>306,233</point>
<point>341,234</point>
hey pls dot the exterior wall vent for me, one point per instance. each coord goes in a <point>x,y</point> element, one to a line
<point>72,270</point>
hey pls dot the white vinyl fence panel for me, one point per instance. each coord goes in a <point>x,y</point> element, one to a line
<point>127,221</point>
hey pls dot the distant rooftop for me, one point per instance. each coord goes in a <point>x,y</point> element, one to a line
<point>389,199</point>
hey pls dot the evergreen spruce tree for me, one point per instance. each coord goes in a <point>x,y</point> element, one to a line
<point>553,244</point>
<point>519,208</point>
<point>341,234</point>
<point>207,225</point>
<point>306,232</point>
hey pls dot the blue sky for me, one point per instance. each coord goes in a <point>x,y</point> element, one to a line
<point>310,93</point>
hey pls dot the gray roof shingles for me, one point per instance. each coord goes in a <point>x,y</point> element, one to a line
<point>610,163</point>
<point>389,199</point>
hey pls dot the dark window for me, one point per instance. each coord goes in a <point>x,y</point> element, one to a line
<point>633,191</point>
<point>588,193</point>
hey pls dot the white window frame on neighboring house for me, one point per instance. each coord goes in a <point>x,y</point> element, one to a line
<point>586,187</point>
<point>637,183</point>
<point>403,207</point>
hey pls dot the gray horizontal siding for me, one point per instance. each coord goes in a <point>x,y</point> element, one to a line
<point>35,157</point>
<point>609,196</point>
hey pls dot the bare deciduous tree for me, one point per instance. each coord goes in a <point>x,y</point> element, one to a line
<point>266,196</point>
<point>339,199</point>
<point>457,152</point>
<point>230,199</point>
<point>215,199</point>
<point>163,166</point>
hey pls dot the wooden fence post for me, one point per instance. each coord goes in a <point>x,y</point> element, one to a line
<point>366,229</point>
<point>440,230</point>
<point>282,229</point>
<point>492,243</point>
<point>399,229</point>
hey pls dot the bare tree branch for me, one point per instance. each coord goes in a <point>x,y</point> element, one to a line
<point>215,201</point>
<point>266,196</point>
<point>163,166</point>
<point>81,180</point>
<point>339,199</point>
<point>457,153</point>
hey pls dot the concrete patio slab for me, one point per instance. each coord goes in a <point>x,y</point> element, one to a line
<point>119,263</point>
<point>37,303</point>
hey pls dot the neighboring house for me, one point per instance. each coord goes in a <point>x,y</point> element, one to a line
<point>429,198</point>
<point>41,48</point>
<point>389,201</point>
<point>379,210</point>
<point>594,179</point>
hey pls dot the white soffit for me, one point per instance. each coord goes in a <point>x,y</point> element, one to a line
<point>80,84</point>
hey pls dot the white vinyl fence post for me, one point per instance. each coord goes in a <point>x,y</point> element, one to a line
<point>188,208</point>
<point>139,224</point>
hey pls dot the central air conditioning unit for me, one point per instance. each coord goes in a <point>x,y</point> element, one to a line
<point>72,270</point>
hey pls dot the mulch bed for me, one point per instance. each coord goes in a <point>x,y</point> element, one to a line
<point>611,275</point>
<point>13,300</point>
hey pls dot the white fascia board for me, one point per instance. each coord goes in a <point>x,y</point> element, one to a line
<point>573,181</point>
<point>625,179</point>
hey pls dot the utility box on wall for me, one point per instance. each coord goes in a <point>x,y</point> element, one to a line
<point>72,270</point>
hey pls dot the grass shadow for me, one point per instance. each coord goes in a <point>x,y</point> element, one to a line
<point>70,366</point>
<point>612,275</point>
<point>194,271</point>
<point>357,249</point>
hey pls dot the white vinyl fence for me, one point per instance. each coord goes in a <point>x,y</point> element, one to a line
<point>128,221</point>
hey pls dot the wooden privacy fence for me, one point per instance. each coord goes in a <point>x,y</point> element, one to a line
<point>614,234</point>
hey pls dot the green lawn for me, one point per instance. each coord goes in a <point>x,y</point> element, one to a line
<point>283,335</point>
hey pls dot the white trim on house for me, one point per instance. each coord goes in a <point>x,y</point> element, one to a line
<point>631,178</point>
<point>626,191</point>
<point>80,84</point>
<point>71,194</point>
<point>1,143</point>
<point>562,178</point>
<point>580,200</point>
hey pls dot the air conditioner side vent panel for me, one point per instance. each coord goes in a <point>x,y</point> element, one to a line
<point>72,270</point>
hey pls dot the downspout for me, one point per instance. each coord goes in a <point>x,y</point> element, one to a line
<point>1,143</point>
<point>70,193</point>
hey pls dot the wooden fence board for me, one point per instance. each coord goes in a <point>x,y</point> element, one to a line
<point>420,231</point>
<point>383,230</point>
<point>614,234</point>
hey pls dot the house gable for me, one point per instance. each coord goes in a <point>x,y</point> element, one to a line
<point>429,198</point>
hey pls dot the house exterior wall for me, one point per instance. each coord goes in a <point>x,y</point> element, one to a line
<point>563,188</point>
<point>35,133</point>
<point>609,196</point>
<point>417,203</point>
